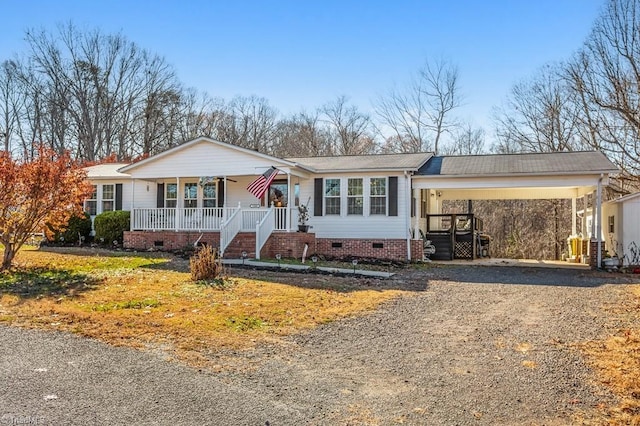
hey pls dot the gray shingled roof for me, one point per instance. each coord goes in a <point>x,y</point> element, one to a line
<point>363,162</point>
<point>108,170</point>
<point>505,164</point>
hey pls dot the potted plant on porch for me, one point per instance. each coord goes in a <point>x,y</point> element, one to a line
<point>303,217</point>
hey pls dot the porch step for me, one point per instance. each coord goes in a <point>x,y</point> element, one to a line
<point>244,241</point>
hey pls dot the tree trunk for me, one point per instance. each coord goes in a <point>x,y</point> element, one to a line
<point>8,256</point>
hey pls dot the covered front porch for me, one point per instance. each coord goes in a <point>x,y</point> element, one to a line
<point>225,222</point>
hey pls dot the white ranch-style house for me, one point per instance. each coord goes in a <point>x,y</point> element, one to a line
<point>377,206</point>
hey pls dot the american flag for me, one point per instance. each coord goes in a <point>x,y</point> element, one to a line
<point>259,186</point>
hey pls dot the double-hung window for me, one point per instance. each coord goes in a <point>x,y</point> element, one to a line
<point>108,198</point>
<point>355,196</point>
<point>171,195</point>
<point>332,196</point>
<point>190,195</point>
<point>378,196</point>
<point>91,204</point>
<point>209,195</point>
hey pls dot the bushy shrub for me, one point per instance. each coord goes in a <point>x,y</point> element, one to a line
<point>110,226</point>
<point>78,229</point>
<point>205,265</point>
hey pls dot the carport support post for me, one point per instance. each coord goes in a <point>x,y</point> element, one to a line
<point>599,223</point>
<point>574,229</point>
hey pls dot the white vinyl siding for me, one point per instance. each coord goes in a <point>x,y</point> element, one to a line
<point>204,159</point>
<point>365,226</point>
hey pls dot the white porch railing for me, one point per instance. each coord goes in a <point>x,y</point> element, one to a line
<point>228,220</point>
<point>230,229</point>
<point>252,216</point>
<point>181,219</point>
<point>264,228</point>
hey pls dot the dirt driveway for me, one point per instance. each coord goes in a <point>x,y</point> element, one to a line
<point>470,345</point>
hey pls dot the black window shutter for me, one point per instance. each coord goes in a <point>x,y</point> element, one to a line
<point>393,195</point>
<point>220,192</point>
<point>118,196</point>
<point>160,196</point>
<point>317,197</point>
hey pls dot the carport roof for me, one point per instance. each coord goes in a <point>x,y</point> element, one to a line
<point>555,163</point>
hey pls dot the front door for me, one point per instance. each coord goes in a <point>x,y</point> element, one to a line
<point>279,196</point>
<point>278,193</point>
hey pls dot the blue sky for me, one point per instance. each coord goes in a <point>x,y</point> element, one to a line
<point>302,54</point>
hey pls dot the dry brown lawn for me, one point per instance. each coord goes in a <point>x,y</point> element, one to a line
<point>142,301</point>
<point>616,361</point>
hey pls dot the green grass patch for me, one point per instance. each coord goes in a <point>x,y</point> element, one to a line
<point>43,282</point>
<point>245,323</point>
<point>129,304</point>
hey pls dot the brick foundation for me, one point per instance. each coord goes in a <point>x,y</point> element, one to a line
<point>287,244</point>
<point>365,248</point>
<point>168,240</point>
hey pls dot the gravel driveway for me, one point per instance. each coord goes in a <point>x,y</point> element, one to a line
<point>473,345</point>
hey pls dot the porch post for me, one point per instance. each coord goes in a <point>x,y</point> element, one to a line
<point>408,193</point>
<point>133,191</point>
<point>417,205</point>
<point>289,215</point>
<point>574,229</point>
<point>583,226</point>
<point>224,202</point>
<point>599,224</point>
<point>179,203</point>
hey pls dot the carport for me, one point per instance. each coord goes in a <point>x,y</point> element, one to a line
<point>560,175</point>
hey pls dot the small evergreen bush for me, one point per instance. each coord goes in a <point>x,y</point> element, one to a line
<point>78,229</point>
<point>110,226</point>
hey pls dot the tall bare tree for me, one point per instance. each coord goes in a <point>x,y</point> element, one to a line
<point>467,140</point>
<point>350,129</point>
<point>420,114</point>
<point>11,102</point>
<point>605,75</point>
<point>302,135</point>
<point>540,115</point>
<point>251,125</point>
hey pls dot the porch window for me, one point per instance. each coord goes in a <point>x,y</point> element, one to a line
<point>612,227</point>
<point>332,196</point>
<point>209,195</point>
<point>190,195</point>
<point>171,195</point>
<point>378,196</point>
<point>108,197</point>
<point>91,204</point>
<point>355,196</point>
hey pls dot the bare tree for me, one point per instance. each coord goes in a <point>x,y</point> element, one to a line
<point>99,94</point>
<point>350,129</point>
<point>420,114</point>
<point>467,140</point>
<point>11,102</point>
<point>302,135</point>
<point>540,115</point>
<point>250,123</point>
<point>605,75</point>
